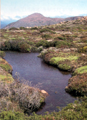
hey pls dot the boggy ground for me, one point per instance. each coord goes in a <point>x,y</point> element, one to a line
<point>63,45</point>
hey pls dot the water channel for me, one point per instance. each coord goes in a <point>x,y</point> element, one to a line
<point>33,69</point>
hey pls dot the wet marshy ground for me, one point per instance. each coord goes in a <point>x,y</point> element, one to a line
<point>35,71</point>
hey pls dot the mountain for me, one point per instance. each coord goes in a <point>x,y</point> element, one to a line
<point>37,19</point>
<point>73,18</point>
<point>33,20</point>
<point>6,22</point>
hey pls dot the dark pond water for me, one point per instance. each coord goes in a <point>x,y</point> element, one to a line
<point>33,69</point>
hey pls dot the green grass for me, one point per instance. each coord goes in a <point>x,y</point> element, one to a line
<point>81,70</point>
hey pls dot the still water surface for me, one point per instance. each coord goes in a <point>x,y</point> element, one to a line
<point>33,69</point>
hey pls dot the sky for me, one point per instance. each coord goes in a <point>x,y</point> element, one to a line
<point>15,9</point>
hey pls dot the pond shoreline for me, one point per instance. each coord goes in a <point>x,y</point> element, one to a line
<point>44,70</point>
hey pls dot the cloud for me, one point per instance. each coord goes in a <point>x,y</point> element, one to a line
<point>46,12</point>
<point>6,17</point>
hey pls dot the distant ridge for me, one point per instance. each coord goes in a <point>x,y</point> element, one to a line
<point>37,19</point>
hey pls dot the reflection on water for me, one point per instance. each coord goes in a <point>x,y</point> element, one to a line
<point>33,69</point>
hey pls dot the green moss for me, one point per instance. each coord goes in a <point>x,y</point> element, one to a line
<point>6,67</point>
<point>56,60</point>
<point>64,66</point>
<point>81,70</point>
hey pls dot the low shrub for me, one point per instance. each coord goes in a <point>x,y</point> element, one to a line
<point>13,28</point>
<point>77,84</point>
<point>10,115</point>
<point>34,28</point>
<point>43,43</point>
<point>60,38</point>
<point>46,36</point>
<point>16,45</point>
<point>73,111</point>
<point>46,30</point>
<point>23,28</point>
<point>60,44</point>
<point>24,96</point>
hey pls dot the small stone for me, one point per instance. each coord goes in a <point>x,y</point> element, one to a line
<point>44,92</point>
<point>55,92</point>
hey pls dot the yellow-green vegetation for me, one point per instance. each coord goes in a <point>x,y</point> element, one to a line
<point>7,78</point>
<point>64,61</point>
<point>81,70</point>
<point>64,67</point>
<point>5,65</point>
<point>58,59</point>
<point>2,53</point>
<point>5,70</point>
<point>73,111</point>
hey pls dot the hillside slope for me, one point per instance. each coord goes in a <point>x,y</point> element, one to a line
<point>37,19</point>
